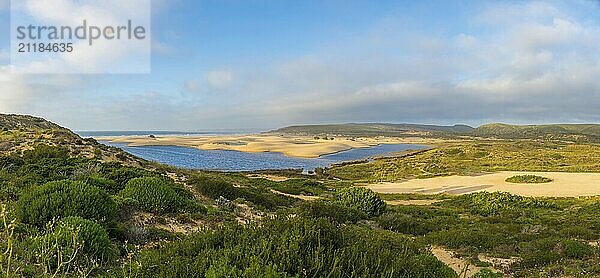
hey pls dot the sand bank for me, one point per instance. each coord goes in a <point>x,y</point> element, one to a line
<point>295,146</point>
<point>563,185</point>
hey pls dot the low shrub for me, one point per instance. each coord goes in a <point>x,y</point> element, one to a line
<point>574,249</point>
<point>362,199</point>
<point>62,199</point>
<point>153,195</point>
<point>528,179</point>
<point>215,188</point>
<point>291,247</point>
<point>96,180</point>
<point>75,243</point>
<point>486,203</point>
<point>406,224</point>
<point>331,211</point>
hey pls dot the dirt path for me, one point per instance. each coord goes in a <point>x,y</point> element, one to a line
<point>563,185</point>
<point>301,197</point>
<point>460,266</point>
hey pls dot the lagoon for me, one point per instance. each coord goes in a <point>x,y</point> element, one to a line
<point>224,160</point>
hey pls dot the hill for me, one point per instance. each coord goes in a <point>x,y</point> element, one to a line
<point>20,133</point>
<point>374,129</point>
<point>568,132</point>
<point>576,132</point>
<point>26,122</point>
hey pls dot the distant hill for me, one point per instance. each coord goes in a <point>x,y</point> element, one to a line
<point>554,131</point>
<point>374,129</point>
<point>567,132</point>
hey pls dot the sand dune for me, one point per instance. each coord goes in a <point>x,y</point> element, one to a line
<point>563,185</point>
<point>295,146</point>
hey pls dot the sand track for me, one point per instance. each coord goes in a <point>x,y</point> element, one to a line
<point>563,185</point>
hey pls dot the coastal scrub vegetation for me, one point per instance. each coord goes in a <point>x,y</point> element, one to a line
<point>528,179</point>
<point>474,157</point>
<point>63,214</point>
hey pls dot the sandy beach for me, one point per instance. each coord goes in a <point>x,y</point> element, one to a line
<point>294,146</point>
<point>563,185</point>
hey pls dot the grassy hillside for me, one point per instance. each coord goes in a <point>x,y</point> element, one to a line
<point>476,157</point>
<point>373,129</point>
<point>577,132</point>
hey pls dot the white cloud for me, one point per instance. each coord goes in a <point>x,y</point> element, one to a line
<point>219,79</point>
<point>538,63</point>
<point>105,56</point>
<point>4,56</point>
<point>192,86</point>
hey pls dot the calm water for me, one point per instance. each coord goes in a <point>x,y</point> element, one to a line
<point>192,158</point>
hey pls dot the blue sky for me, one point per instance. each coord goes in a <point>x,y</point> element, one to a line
<point>255,65</point>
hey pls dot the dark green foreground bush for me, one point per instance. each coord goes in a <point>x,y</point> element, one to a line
<point>360,198</point>
<point>59,199</point>
<point>154,195</point>
<point>75,237</point>
<point>292,247</point>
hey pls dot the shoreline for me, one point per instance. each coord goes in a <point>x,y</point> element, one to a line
<point>288,145</point>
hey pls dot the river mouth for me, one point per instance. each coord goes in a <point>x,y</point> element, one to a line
<point>236,161</point>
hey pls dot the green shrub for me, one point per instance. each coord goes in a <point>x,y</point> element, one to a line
<point>41,152</point>
<point>486,203</point>
<point>122,174</point>
<point>74,244</point>
<point>153,195</point>
<point>362,199</point>
<point>292,247</point>
<point>92,236</point>
<point>62,199</point>
<point>331,211</point>
<point>96,180</point>
<point>487,273</point>
<point>528,179</point>
<point>539,259</point>
<point>576,250</point>
<point>406,224</point>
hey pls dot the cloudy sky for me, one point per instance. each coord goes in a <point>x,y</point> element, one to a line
<point>255,65</point>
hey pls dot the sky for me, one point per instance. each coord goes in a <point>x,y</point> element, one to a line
<point>257,65</point>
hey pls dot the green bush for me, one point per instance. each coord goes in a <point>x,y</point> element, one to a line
<point>576,250</point>
<point>96,180</point>
<point>406,224</point>
<point>74,244</point>
<point>528,179</point>
<point>41,152</point>
<point>65,198</point>
<point>153,195</point>
<point>122,174</point>
<point>362,199</point>
<point>291,247</point>
<point>331,211</point>
<point>486,203</point>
